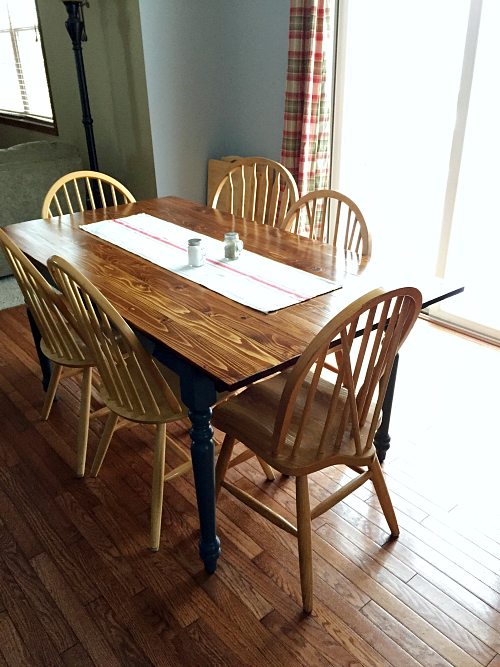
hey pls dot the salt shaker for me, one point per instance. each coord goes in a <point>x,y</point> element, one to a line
<point>232,245</point>
<point>196,253</point>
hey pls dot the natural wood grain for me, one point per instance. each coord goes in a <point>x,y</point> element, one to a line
<point>128,611</point>
<point>26,621</point>
<point>383,594</point>
<point>403,638</point>
<point>76,187</point>
<point>123,644</point>
<point>232,343</point>
<point>199,646</point>
<point>76,615</point>
<point>39,523</point>
<point>256,189</point>
<point>300,423</point>
<point>460,614</point>
<point>398,603</point>
<point>54,624</point>
<point>234,607</point>
<point>13,520</point>
<point>331,214</point>
<point>12,647</point>
<point>77,656</point>
<point>60,341</point>
<point>133,387</point>
<point>100,543</point>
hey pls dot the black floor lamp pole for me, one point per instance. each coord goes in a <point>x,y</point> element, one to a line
<point>75,26</point>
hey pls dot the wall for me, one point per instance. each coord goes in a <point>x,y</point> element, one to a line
<point>114,66</point>
<point>256,57</point>
<point>210,81</point>
<point>184,58</point>
<point>216,77</point>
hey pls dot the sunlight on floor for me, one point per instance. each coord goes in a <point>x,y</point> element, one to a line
<point>444,407</point>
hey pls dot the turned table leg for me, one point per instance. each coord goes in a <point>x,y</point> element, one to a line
<point>382,438</point>
<point>199,394</point>
<point>45,363</point>
<point>202,454</point>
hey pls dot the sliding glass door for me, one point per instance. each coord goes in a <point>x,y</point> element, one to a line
<point>471,226</point>
<point>415,126</point>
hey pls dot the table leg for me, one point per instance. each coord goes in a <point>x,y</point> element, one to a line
<point>45,363</point>
<point>382,438</point>
<point>199,394</point>
<point>203,457</point>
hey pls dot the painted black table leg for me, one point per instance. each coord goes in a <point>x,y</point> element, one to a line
<point>382,438</point>
<point>45,363</point>
<point>202,454</point>
<point>198,393</point>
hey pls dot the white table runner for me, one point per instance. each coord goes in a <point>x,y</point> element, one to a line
<point>251,280</point>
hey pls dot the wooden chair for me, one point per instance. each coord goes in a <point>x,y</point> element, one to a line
<point>134,387</point>
<point>87,186</point>
<point>60,341</point>
<point>349,231</point>
<point>253,187</point>
<point>299,422</point>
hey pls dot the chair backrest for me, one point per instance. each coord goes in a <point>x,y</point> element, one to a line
<point>361,367</point>
<point>134,385</point>
<point>81,188</point>
<point>50,312</point>
<point>330,212</point>
<point>259,189</point>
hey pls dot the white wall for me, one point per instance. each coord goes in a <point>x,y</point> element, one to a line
<point>256,57</point>
<point>184,59</point>
<point>216,78</point>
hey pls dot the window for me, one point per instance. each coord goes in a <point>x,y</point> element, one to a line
<point>24,93</point>
<point>417,139</point>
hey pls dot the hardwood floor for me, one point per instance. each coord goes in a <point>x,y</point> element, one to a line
<point>80,588</point>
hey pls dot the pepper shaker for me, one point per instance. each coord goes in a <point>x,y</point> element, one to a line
<point>232,245</point>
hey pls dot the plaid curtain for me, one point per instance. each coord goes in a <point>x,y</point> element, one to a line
<point>306,134</point>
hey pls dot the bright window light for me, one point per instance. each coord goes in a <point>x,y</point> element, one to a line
<point>24,92</point>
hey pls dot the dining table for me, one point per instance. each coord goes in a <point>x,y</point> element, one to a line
<point>212,342</point>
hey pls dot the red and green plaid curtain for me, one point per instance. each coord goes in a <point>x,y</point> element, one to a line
<point>306,135</point>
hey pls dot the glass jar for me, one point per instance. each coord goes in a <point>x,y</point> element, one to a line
<point>196,253</point>
<point>232,245</point>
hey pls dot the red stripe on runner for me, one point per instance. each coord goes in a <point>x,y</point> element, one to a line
<point>151,236</point>
<point>302,297</point>
<point>222,265</point>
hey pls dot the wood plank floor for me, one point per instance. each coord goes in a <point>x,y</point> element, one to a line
<point>80,588</point>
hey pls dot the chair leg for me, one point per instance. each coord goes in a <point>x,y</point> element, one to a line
<point>83,423</point>
<point>51,390</point>
<point>268,471</point>
<point>305,542</point>
<point>383,496</point>
<point>223,462</point>
<point>106,436</point>
<point>158,485</point>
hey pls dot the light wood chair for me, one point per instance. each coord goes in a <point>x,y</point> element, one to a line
<point>299,422</point>
<point>134,387</point>
<point>257,189</point>
<point>86,186</point>
<point>349,229</point>
<point>60,341</point>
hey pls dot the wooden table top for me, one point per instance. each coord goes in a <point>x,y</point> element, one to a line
<point>231,343</point>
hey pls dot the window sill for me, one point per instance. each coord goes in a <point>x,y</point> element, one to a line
<point>29,123</point>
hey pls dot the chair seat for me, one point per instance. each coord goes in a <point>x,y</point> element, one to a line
<point>150,415</point>
<point>250,418</point>
<point>68,360</point>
